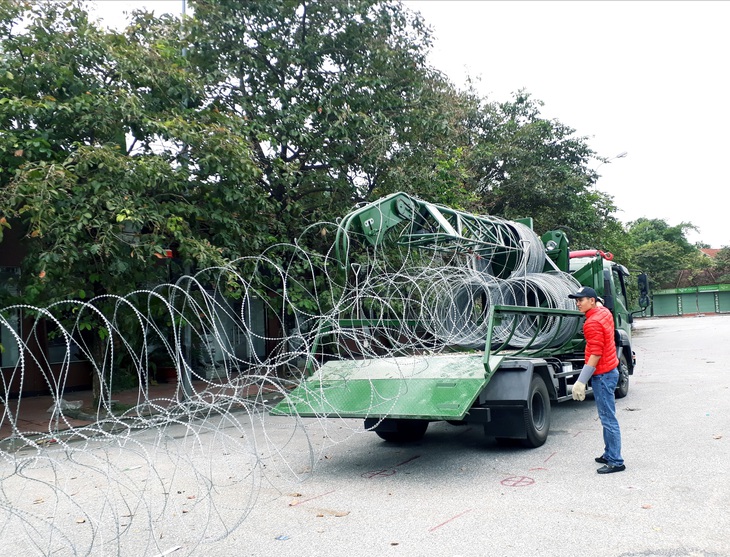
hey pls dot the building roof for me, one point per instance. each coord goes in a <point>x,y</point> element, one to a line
<point>710,252</point>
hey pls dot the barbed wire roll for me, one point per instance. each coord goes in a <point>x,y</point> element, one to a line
<point>543,290</point>
<point>460,304</point>
<point>520,251</point>
<point>532,250</point>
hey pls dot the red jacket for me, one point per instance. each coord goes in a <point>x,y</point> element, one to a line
<point>598,331</point>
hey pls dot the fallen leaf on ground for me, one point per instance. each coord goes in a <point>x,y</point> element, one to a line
<point>332,512</point>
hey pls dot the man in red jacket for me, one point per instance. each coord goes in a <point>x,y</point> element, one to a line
<point>601,367</point>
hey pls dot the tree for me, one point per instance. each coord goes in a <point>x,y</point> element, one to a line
<point>330,89</point>
<point>722,265</point>
<point>664,253</point>
<point>523,165</point>
<point>646,230</point>
<point>110,156</point>
<point>432,157</point>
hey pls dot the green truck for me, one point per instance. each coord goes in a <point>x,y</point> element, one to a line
<point>505,344</point>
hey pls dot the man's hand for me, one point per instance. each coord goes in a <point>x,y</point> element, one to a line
<point>579,391</point>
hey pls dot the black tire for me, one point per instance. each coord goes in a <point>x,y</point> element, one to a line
<point>457,423</point>
<point>622,387</point>
<point>402,431</point>
<point>537,414</point>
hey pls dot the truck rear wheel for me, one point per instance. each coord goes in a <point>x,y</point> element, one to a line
<point>400,430</point>
<point>622,387</point>
<point>537,413</point>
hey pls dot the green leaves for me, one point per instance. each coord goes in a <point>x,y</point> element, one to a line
<point>664,253</point>
<point>109,158</point>
<point>329,89</point>
<point>531,166</point>
<point>238,128</point>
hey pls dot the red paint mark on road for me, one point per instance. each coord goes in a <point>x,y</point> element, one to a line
<point>409,460</point>
<point>548,458</point>
<point>311,498</point>
<point>517,481</point>
<point>449,520</point>
<point>538,468</point>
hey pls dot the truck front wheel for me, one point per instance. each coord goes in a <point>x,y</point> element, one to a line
<point>537,413</point>
<point>622,388</point>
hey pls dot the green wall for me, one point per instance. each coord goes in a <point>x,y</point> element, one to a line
<point>714,298</point>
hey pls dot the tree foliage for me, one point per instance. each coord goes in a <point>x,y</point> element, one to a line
<point>664,253</point>
<point>644,231</point>
<point>526,165</point>
<point>332,90</point>
<point>246,124</point>
<point>721,266</point>
<point>111,156</point>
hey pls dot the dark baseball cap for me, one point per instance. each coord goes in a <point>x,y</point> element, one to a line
<point>585,292</point>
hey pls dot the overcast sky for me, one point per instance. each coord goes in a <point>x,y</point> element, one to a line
<point>649,78</point>
<point>644,77</point>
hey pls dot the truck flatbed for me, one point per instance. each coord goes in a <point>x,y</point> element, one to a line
<point>436,387</point>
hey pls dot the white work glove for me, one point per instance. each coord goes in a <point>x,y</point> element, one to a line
<point>579,388</point>
<point>579,391</point>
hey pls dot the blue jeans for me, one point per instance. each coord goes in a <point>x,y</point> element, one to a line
<point>604,386</point>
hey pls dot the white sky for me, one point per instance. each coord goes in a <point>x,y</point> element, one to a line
<point>645,77</point>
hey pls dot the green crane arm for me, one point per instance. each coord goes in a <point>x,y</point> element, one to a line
<point>438,228</point>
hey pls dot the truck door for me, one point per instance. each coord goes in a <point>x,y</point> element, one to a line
<point>621,304</point>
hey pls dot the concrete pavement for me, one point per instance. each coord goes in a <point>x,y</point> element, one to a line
<point>248,483</point>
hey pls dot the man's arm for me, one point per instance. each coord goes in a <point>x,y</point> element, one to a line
<point>579,388</point>
<point>592,334</point>
<point>593,360</point>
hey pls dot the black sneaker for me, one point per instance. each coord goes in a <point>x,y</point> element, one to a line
<point>601,460</point>
<point>610,469</point>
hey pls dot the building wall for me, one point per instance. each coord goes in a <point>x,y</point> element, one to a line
<point>39,369</point>
<point>713,298</point>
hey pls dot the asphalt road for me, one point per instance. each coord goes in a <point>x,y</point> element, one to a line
<point>456,494</point>
<point>329,489</point>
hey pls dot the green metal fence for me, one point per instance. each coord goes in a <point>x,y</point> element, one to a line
<point>713,298</point>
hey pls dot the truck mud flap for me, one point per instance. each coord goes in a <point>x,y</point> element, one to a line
<point>507,422</point>
<point>506,397</point>
<point>509,386</point>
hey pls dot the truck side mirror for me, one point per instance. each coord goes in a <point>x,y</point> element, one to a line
<point>643,281</point>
